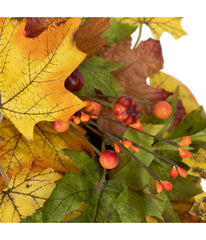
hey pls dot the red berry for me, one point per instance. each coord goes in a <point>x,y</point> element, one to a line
<point>137,125</point>
<point>84,117</point>
<point>93,107</point>
<point>162,110</point>
<point>60,126</point>
<point>75,81</point>
<point>174,172</point>
<point>134,148</point>
<point>167,185</point>
<point>126,110</point>
<point>184,153</point>
<point>186,140</point>
<point>182,172</point>
<point>159,187</point>
<point>109,159</point>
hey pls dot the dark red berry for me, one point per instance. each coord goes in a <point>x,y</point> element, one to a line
<point>126,110</point>
<point>167,185</point>
<point>75,81</point>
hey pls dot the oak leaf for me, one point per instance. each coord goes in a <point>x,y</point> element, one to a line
<point>45,151</point>
<point>26,193</point>
<point>33,72</point>
<point>158,25</point>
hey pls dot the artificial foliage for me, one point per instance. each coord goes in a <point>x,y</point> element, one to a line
<point>118,160</point>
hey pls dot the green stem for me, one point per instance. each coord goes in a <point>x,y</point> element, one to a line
<point>102,179</point>
<point>139,36</point>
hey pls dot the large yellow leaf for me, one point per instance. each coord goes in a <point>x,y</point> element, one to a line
<point>169,83</point>
<point>199,207</point>
<point>45,151</point>
<point>26,193</point>
<point>158,25</point>
<point>33,71</point>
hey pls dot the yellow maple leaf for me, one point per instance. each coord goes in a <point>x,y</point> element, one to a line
<point>26,193</point>
<point>33,71</point>
<point>45,151</point>
<point>169,83</point>
<point>158,25</point>
<point>199,207</point>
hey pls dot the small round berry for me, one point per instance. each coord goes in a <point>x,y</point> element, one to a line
<point>60,126</point>
<point>182,172</point>
<point>94,108</point>
<point>185,141</point>
<point>184,153</point>
<point>162,110</point>
<point>109,159</point>
<point>75,81</point>
<point>174,172</point>
<point>126,110</point>
<point>159,187</point>
<point>167,185</point>
<point>84,117</point>
<point>76,120</point>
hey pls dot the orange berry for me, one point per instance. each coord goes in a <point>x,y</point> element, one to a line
<point>84,117</point>
<point>134,148</point>
<point>127,143</point>
<point>117,148</point>
<point>186,140</point>
<point>76,120</point>
<point>94,108</point>
<point>167,185</point>
<point>109,159</point>
<point>159,187</point>
<point>182,172</point>
<point>137,125</point>
<point>184,153</point>
<point>162,110</point>
<point>174,172</point>
<point>60,126</point>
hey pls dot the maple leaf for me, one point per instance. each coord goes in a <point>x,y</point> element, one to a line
<point>158,25</point>
<point>26,193</point>
<point>105,202</point>
<point>45,151</point>
<point>33,72</point>
<point>97,73</point>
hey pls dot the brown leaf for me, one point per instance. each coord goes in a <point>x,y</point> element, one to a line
<point>36,25</point>
<point>88,37</point>
<point>140,63</point>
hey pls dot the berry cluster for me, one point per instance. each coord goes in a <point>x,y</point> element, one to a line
<point>126,111</point>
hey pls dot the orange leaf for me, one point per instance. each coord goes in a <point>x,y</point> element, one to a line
<point>33,72</point>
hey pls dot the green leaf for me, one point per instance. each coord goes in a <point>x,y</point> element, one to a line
<point>97,73</point>
<point>118,31</point>
<point>105,202</point>
<point>191,124</point>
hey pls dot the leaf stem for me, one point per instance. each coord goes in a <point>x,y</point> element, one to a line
<point>86,140</point>
<point>139,36</point>
<point>4,175</point>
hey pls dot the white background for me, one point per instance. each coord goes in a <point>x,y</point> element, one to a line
<point>184,59</point>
